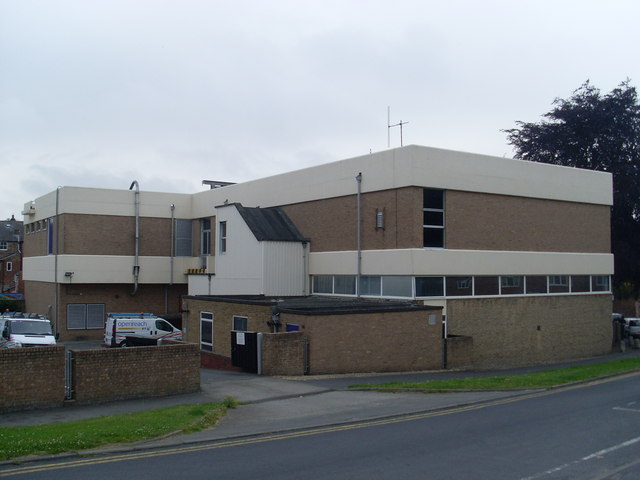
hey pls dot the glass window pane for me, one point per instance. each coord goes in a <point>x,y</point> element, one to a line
<point>397,286</point>
<point>512,285</point>
<point>558,283</point>
<point>580,283</point>
<point>433,198</point>
<point>486,285</point>
<point>536,284</point>
<point>601,283</point>
<point>433,218</point>
<point>344,284</point>
<point>184,244</point>
<point>457,286</point>
<point>239,323</point>
<point>434,237</point>
<point>370,285</point>
<point>429,286</point>
<point>322,284</point>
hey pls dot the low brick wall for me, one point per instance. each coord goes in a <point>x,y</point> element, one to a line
<point>31,378</point>
<point>123,373</point>
<point>283,353</point>
<point>459,352</point>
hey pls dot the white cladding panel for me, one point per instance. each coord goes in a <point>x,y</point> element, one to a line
<point>284,268</point>
<point>107,269</point>
<point>238,270</point>
<point>460,262</point>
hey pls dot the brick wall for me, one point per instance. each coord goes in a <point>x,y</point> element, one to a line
<point>122,373</point>
<point>31,378</point>
<point>532,330</point>
<point>459,352</point>
<point>474,221</point>
<point>283,353</point>
<point>377,342</point>
<point>481,221</point>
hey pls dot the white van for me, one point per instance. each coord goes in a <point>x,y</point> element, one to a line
<point>32,331</point>
<point>139,327</point>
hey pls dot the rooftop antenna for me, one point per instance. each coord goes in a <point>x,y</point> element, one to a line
<point>389,126</point>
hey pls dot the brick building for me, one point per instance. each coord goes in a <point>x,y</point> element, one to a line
<point>11,240</point>
<point>516,255</point>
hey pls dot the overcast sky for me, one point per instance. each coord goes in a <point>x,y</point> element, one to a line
<point>100,93</point>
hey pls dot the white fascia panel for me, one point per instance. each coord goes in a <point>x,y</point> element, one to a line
<point>101,201</point>
<point>108,269</point>
<point>417,166</point>
<point>460,262</point>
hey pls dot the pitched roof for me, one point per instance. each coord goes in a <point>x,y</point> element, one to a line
<point>8,229</point>
<point>270,224</point>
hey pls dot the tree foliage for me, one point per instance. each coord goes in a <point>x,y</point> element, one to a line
<point>597,132</point>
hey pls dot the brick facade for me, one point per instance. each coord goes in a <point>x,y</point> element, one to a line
<point>519,331</point>
<point>123,373</point>
<point>35,377</point>
<point>31,378</point>
<point>283,353</point>
<point>115,297</point>
<point>341,343</point>
<point>473,221</point>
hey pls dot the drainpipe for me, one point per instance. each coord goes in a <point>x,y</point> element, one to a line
<point>56,301</point>
<point>136,267</point>
<point>166,288</point>
<point>358,240</point>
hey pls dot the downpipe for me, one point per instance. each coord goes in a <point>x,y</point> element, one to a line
<point>136,266</point>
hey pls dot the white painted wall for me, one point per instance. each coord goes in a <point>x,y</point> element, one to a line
<point>460,262</point>
<point>107,269</point>
<point>284,268</point>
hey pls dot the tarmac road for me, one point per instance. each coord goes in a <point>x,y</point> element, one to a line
<point>282,404</point>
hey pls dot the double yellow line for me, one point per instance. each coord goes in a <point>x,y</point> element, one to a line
<point>288,435</point>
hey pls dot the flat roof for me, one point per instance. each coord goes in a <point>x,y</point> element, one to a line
<point>314,305</point>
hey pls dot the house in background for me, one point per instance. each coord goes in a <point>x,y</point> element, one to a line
<point>11,239</point>
<point>515,255</point>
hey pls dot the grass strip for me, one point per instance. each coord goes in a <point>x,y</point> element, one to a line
<point>543,379</point>
<point>95,432</point>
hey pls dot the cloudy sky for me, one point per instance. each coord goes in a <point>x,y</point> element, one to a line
<point>171,92</point>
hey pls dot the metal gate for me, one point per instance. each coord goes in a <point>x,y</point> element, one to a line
<point>69,365</point>
<point>244,350</point>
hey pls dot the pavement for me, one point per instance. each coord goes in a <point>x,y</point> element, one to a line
<point>282,404</point>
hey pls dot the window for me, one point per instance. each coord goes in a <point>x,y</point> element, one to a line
<point>184,238</point>
<point>50,237</point>
<point>370,285</point>
<point>9,266</point>
<point>433,218</point>
<point>459,286</point>
<point>239,323</point>
<point>397,286</point>
<point>205,236</point>
<point>580,283</point>
<point>322,284</point>
<point>4,245</point>
<point>558,283</point>
<point>512,285</point>
<point>429,286</point>
<point>223,237</point>
<point>164,326</point>
<point>85,316</point>
<point>536,284</point>
<point>486,285</point>
<point>344,285</point>
<point>206,331</point>
<point>600,283</point>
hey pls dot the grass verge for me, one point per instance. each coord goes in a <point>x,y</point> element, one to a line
<point>544,379</point>
<point>95,432</point>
